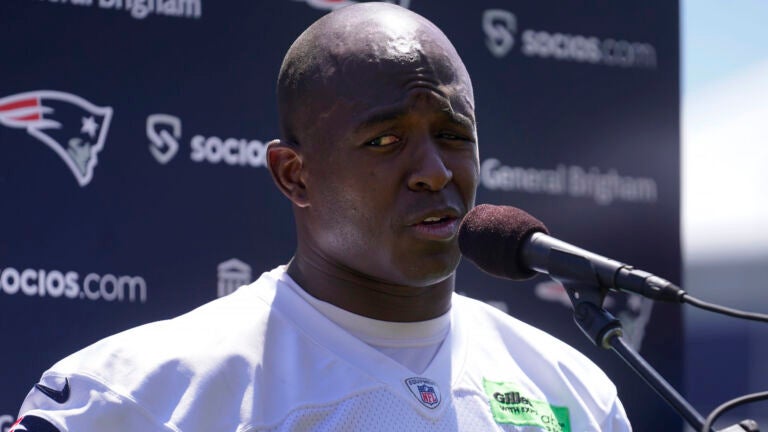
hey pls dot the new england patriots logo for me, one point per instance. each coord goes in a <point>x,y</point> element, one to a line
<point>32,423</point>
<point>70,125</point>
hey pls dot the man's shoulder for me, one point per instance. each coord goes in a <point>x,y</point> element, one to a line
<point>489,315</point>
<point>197,356</point>
<point>527,342</point>
<point>197,340</point>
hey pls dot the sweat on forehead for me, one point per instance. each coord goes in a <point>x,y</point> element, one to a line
<point>357,42</point>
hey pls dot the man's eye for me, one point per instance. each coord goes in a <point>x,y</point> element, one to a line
<point>453,136</point>
<point>383,141</point>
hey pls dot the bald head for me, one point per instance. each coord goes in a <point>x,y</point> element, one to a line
<point>379,140</point>
<point>347,51</point>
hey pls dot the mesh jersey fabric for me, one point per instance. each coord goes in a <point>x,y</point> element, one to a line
<point>263,359</point>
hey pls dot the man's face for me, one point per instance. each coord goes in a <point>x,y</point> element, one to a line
<point>392,166</point>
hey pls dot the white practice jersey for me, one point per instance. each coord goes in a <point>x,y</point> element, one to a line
<point>263,359</point>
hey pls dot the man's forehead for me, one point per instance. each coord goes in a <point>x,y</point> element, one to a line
<point>461,116</point>
<point>359,76</point>
<point>361,16</point>
<point>369,55</point>
<point>390,33</point>
<point>383,38</point>
<point>393,61</point>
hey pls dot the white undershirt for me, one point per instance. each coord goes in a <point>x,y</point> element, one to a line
<point>412,344</point>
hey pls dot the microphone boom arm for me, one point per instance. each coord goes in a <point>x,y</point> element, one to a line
<point>582,282</point>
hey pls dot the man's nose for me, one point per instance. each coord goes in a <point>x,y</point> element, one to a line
<point>428,169</point>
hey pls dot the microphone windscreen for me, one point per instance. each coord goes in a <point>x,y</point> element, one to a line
<point>492,237</point>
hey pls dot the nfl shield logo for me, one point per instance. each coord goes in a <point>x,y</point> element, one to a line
<point>428,395</point>
<point>425,390</point>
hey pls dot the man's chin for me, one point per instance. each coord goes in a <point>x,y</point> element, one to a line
<point>429,274</point>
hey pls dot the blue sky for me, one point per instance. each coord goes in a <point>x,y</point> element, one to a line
<point>720,38</point>
<point>724,129</point>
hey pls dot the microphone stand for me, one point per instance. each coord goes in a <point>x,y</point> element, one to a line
<point>579,278</point>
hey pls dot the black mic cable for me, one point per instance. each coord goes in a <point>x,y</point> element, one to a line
<point>752,316</point>
<point>746,425</point>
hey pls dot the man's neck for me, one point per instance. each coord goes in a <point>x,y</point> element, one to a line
<point>365,296</point>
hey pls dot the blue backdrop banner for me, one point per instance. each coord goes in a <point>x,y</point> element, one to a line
<point>134,187</point>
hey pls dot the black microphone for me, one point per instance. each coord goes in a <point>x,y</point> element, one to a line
<point>510,243</point>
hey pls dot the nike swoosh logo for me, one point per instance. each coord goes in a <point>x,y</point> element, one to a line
<point>60,396</point>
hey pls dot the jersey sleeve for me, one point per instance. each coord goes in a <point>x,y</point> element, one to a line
<point>78,403</point>
<point>616,420</point>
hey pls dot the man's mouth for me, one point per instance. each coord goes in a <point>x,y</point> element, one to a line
<point>437,227</point>
<point>435,220</point>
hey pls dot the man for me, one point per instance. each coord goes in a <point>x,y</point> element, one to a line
<point>362,329</point>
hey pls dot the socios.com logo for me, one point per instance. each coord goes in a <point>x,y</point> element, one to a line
<point>164,132</point>
<point>501,26</point>
<point>69,284</point>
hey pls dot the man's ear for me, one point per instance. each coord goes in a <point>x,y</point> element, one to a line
<point>286,166</point>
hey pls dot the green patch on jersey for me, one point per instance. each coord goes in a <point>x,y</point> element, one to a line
<point>510,404</point>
